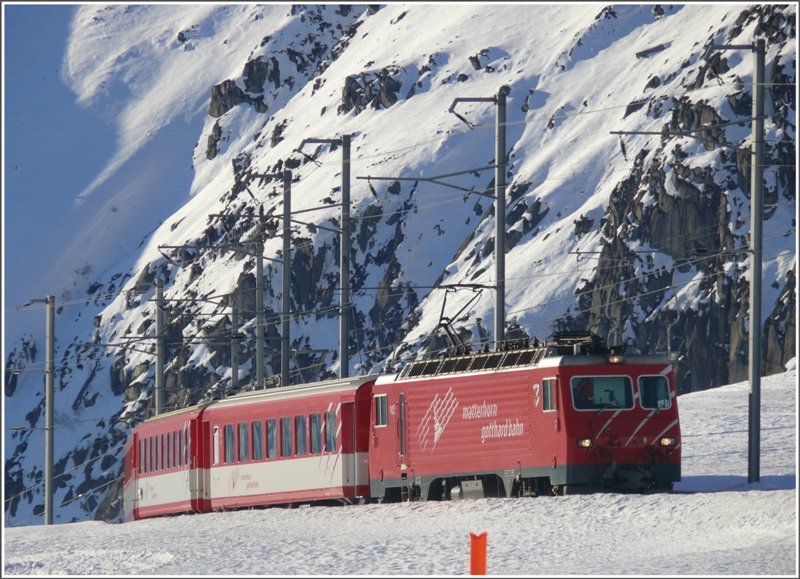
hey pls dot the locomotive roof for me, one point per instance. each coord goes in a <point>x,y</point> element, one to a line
<point>567,349</point>
<point>326,386</point>
<point>333,385</point>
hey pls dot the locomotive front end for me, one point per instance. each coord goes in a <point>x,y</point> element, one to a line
<point>623,427</point>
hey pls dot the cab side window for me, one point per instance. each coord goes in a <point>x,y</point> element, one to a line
<point>549,394</point>
<point>381,410</point>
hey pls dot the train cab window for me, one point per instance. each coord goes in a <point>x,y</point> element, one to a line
<point>215,445</point>
<point>601,392</point>
<point>272,443</point>
<point>230,444</point>
<point>244,439</point>
<point>330,431</point>
<point>316,433</point>
<point>286,436</point>
<point>549,394</point>
<point>258,441</point>
<point>381,410</point>
<point>654,392</point>
<point>300,435</point>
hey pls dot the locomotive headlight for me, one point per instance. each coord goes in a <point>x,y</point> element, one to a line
<point>616,359</point>
<point>667,441</point>
<point>584,442</point>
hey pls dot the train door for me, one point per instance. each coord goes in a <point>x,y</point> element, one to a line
<point>347,418</point>
<point>133,461</point>
<point>401,438</point>
<point>186,469</point>
<point>207,454</point>
<point>194,464</point>
<point>135,465</point>
<point>381,444</point>
<point>548,412</point>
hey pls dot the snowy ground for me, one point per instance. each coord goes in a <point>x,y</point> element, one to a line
<point>717,524</point>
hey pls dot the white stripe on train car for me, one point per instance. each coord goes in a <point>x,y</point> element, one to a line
<point>642,423</point>
<point>164,488</point>
<point>608,422</point>
<point>281,476</point>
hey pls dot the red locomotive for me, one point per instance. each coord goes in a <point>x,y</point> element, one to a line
<point>566,416</point>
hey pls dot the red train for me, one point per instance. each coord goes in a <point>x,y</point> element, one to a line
<point>566,416</point>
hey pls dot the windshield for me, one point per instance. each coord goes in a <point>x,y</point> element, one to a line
<point>654,392</point>
<point>598,392</point>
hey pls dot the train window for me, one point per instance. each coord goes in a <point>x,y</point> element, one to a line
<point>179,447</point>
<point>654,392</point>
<point>141,455</point>
<point>549,394</point>
<point>300,435</point>
<point>316,433</point>
<point>330,431</point>
<point>188,440</point>
<point>162,452</point>
<point>150,464</point>
<point>215,445</point>
<point>286,436</point>
<point>176,448</point>
<point>230,443</point>
<point>272,446</point>
<point>601,392</point>
<point>244,439</point>
<point>258,441</point>
<point>381,410</point>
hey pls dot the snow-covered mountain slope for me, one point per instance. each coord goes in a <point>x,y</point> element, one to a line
<point>639,238</point>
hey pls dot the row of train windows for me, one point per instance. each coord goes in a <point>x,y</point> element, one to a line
<point>164,451</point>
<point>298,436</point>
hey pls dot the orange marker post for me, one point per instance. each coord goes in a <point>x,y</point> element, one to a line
<point>477,554</point>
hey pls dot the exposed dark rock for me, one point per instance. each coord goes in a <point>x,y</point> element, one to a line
<point>226,95</point>
<point>583,226</point>
<point>213,140</point>
<point>378,90</point>
<point>257,72</point>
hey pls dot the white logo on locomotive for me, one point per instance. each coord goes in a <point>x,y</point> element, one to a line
<point>439,412</point>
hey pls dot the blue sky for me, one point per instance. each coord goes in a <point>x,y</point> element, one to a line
<point>51,150</point>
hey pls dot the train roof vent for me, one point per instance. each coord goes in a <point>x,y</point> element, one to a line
<point>516,354</point>
<point>479,362</point>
